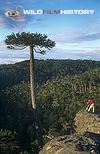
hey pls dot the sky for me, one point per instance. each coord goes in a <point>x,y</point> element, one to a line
<point>76,36</point>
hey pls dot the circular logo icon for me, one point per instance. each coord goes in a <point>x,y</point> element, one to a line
<point>12,13</point>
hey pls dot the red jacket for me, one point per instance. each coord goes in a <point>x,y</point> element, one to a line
<point>90,101</point>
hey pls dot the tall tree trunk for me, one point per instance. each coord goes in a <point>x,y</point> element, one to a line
<point>37,121</point>
<point>32,82</point>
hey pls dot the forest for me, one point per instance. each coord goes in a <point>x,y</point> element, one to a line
<point>62,89</point>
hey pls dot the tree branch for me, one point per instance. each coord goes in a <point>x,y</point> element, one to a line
<point>13,47</point>
<point>40,51</point>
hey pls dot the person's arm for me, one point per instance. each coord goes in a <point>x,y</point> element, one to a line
<point>88,105</point>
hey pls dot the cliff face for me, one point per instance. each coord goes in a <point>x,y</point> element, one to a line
<point>86,140</point>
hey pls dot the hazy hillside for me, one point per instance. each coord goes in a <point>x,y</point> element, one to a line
<point>44,70</point>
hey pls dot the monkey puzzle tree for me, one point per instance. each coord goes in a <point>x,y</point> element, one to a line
<point>37,43</point>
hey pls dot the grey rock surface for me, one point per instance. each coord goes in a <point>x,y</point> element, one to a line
<point>86,140</point>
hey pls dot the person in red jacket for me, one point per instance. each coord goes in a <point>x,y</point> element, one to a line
<point>90,106</point>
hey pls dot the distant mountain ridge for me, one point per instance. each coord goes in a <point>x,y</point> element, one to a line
<point>13,74</point>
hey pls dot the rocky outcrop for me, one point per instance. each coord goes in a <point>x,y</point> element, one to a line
<point>87,122</point>
<point>70,144</point>
<point>86,140</point>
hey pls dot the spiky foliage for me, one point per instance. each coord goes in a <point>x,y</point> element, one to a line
<point>40,42</point>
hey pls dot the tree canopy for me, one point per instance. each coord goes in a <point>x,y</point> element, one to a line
<point>22,40</point>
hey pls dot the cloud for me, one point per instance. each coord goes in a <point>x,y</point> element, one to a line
<point>10,61</point>
<point>13,56</point>
<point>74,37</point>
<point>19,22</point>
<point>94,55</point>
<point>13,22</point>
<point>90,37</point>
<point>2,46</point>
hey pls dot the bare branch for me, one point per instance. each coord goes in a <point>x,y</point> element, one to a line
<point>40,51</point>
<point>35,50</point>
<point>15,47</point>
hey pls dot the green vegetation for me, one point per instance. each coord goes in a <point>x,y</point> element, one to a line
<point>44,70</point>
<point>8,142</point>
<point>60,86</point>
